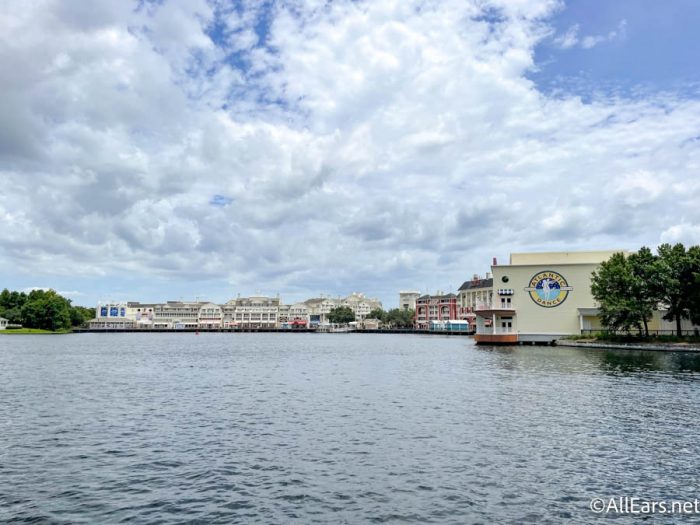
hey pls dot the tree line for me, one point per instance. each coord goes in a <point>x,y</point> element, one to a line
<point>396,317</point>
<point>629,289</point>
<point>44,309</point>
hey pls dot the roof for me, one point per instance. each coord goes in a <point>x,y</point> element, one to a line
<point>582,257</point>
<point>476,283</point>
<point>444,296</point>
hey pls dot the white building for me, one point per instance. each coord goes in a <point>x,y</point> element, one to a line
<point>407,300</point>
<point>3,323</point>
<point>253,312</point>
<point>293,316</point>
<point>320,307</point>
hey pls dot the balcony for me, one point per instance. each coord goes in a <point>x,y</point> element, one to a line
<point>494,308</point>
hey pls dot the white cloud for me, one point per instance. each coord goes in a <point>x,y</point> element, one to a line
<point>359,145</point>
<point>684,232</point>
<point>571,37</point>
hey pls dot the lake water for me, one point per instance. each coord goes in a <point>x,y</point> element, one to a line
<point>337,428</point>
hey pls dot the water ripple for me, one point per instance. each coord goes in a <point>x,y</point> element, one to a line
<point>267,428</point>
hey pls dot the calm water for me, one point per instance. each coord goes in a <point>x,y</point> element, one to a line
<point>336,428</point>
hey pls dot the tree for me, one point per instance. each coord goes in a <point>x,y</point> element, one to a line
<point>341,315</point>
<point>618,292</point>
<point>11,304</point>
<point>46,310</point>
<point>400,318</point>
<point>675,281</point>
<point>694,298</point>
<point>377,314</point>
<point>643,267</point>
<point>79,315</point>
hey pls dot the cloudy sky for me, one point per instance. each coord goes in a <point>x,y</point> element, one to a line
<point>154,150</point>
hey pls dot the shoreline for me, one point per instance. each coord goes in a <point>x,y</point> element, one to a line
<point>650,347</point>
<point>267,330</point>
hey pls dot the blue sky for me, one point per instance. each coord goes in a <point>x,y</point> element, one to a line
<point>205,148</point>
<point>656,51</point>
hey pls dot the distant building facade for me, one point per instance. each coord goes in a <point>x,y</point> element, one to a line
<point>407,300</point>
<point>254,312</point>
<point>432,310</point>
<point>320,307</point>
<point>471,294</point>
<point>257,312</point>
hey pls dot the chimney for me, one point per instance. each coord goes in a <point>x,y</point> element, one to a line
<point>495,262</point>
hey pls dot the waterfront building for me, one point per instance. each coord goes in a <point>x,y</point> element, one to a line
<point>113,315</point>
<point>253,312</point>
<point>293,316</point>
<point>210,316</point>
<point>3,323</point>
<point>320,307</point>
<point>407,300</point>
<point>540,297</point>
<point>470,294</point>
<point>177,314</point>
<point>440,307</point>
<point>243,312</point>
<point>360,305</point>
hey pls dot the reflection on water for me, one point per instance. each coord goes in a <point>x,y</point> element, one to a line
<point>275,428</point>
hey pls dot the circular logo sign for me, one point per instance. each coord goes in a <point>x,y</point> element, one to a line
<point>548,289</point>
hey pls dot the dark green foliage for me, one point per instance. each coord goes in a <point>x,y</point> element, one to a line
<point>618,291</point>
<point>341,315</point>
<point>628,290</point>
<point>676,281</point>
<point>44,309</point>
<point>400,318</point>
<point>378,314</point>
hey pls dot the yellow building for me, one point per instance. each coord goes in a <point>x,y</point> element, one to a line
<point>540,297</point>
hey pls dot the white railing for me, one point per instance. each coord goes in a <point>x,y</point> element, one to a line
<point>494,306</point>
<point>488,330</point>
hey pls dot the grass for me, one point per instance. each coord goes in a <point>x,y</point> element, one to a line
<point>32,331</point>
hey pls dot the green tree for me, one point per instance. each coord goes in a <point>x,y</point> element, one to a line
<point>694,285</point>
<point>13,315</point>
<point>400,318</point>
<point>79,315</point>
<point>46,310</point>
<point>643,267</point>
<point>341,315</point>
<point>377,314</point>
<point>675,281</point>
<point>11,304</point>
<point>621,292</point>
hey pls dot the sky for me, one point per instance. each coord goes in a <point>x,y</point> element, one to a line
<point>194,149</point>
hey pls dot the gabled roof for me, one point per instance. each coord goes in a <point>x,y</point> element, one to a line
<point>475,284</point>
<point>444,296</point>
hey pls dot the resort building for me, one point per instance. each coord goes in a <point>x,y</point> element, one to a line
<point>253,312</point>
<point>258,312</point>
<point>293,316</point>
<point>320,307</point>
<point>472,293</point>
<point>175,314</point>
<point>407,300</point>
<point>360,305</point>
<point>434,310</point>
<point>540,297</point>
